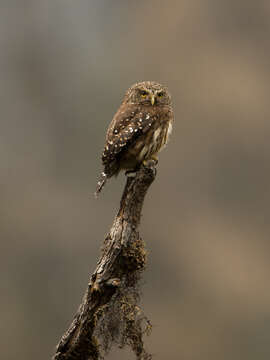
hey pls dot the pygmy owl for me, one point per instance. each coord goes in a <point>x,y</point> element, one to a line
<point>139,129</point>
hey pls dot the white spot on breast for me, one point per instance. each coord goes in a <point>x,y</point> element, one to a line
<point>169,131</point>
<point>166,136</point>
<point>156,134</point>
<point>143,152</point>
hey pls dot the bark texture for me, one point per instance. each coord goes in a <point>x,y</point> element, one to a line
<point>109,313</point>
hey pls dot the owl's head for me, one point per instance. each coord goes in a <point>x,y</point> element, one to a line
<point>148,93</point>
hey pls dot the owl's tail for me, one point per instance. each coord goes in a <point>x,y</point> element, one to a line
<point>101,183</point>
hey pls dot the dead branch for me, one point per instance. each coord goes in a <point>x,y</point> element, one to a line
<point>109,313</point>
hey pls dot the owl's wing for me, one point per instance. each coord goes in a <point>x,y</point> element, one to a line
<point>127,125</point>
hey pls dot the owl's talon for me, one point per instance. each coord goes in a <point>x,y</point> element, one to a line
<point>130,173</point>
<point>155,158</point>
<point>150,162</point>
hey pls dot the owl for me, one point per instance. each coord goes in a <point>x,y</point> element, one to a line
<point>138,131</point>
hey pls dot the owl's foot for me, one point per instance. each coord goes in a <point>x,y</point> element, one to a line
<point>130,173</point>
<point>150,165</point>
<point>152,161</point>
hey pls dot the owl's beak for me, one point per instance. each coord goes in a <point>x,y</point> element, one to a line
<point>153,99</point>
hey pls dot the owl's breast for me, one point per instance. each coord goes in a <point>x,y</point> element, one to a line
<point>155,140</point>
<point>146,135</point>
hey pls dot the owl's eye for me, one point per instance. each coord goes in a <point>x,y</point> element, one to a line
<point>144,93</point>
<point>160,94</point>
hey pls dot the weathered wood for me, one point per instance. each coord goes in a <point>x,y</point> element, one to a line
<point>109,313</point>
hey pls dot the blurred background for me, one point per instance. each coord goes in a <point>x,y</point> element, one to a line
<point>65,66</point>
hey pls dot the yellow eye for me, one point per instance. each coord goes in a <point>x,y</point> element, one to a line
<point>160,94</point>
<point>144,94</point>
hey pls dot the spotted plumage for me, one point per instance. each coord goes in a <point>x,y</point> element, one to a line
<point>139,129</point>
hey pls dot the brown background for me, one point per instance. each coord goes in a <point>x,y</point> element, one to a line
<point>64,66</point>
